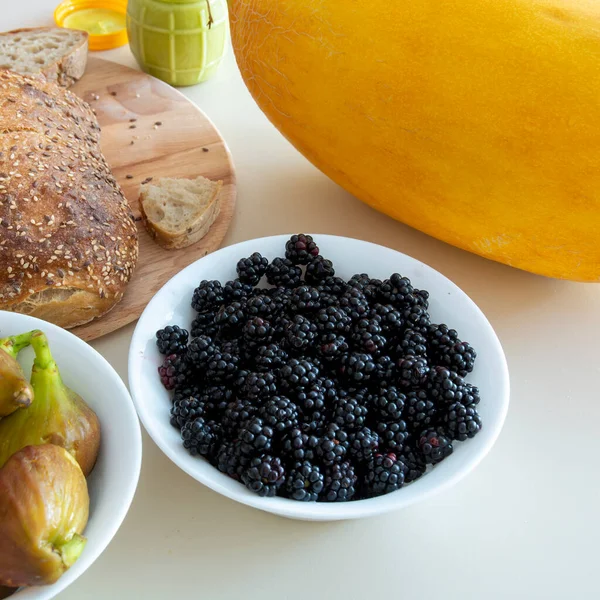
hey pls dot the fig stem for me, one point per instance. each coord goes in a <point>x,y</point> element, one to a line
<point>13,344</point>
<point>71,550</point>
<point>43,356</point>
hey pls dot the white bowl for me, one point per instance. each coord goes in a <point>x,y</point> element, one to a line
<point>114,479</point>
<point>448,304</point>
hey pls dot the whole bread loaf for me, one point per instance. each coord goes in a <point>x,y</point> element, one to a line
<point>68,242</point>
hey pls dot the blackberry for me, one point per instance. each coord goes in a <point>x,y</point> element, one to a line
<point>204,324</point>
<point>333,286</point>
<point>208,296</point>
<point>333,445</point>
<point>416,317</point>
<point>283,272</point>
<point>185,391</point>
<point>304,482</point>
<point>257,332</point>
<point>269,358</point>
<point>340,483</point>
<point>300,333</point>
<point>364,443</point>
<point>305,298</point>
<point>199,437</point>
<point>186,409</point>
<point>470,395</point>
<point>280,326</point>
<point>369,287</point>
<point>419,411</point>
<point>255,436</point>
<point>299,445</point>
<point>259,387</point>
<point>412,371</point>
<point>300,249</point>
<point>310,399</point>
<point>173,371</point>
<point>366,336</point>
<point>355,303</point>
<point>200,352</point>
<point>440,338</point>
<point>392,435</point>
<point>385,474</point>
<point>236,413</point>
<point>357,367</point>
<point>385,370</point>
<point>387,403</point>
<point>349,413</point>
<point>389,319</point>
<point>230,346</point>
<point>297,373</point>
<point>397,291</point>
<point>332,347</point>
<point>231,317</point>
<point>239,380</point>
<point>222,366</point>
<point>412,342</point>
<point>229,459</point>
<point>462,421</point>
<point>434,446</point>
<point>319,269</point>
<point>172,340</point>
<point>279,413</point>
<point>444,386</point>
<point>459,357</point>
<point>262,305</point>
<point>236,291</point>
<point>332,320</point>
<point>414,465</point>
<point>215,399</point>
<point>264,475</point>
<point>281,298</point>
<point>251,270</point>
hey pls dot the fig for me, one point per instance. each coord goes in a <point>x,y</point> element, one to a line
<point>44,506</point>
<point>56,416</point>
<point>5,592</point>
<point>15,390</point>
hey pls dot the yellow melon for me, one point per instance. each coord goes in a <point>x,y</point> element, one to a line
<point>475,121</point>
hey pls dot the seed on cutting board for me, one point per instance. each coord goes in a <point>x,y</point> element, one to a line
<point>128,176</point>
<point>132,126</point>
<point>204,149</point>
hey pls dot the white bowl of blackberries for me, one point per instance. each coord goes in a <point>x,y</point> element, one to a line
<point>318,377</point>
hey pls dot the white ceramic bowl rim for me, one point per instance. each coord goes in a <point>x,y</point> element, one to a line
<point>155,311</point>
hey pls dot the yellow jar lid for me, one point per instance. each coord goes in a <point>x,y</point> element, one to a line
<point>104,20</point>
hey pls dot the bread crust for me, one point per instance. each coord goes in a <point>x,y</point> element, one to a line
<point>71,67</point>
<point>68,242</point>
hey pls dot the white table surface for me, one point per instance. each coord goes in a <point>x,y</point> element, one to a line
<point>525,524</point>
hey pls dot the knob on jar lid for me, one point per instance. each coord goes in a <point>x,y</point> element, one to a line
<point>104,20</point>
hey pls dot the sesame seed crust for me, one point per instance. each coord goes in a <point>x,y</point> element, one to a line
<point>68,241</point>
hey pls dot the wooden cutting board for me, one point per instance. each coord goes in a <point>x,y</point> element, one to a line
<point>150,129</point>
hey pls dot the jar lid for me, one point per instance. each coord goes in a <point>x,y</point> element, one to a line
<point>104,20</point>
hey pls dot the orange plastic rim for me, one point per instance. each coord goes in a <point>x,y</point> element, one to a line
<point>96,42</point>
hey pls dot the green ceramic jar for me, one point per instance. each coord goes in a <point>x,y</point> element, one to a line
<point>181,42</point>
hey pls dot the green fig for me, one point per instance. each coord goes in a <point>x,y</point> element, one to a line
<point>56,416</point>
<point>44,507</point>
<point>15,390</point>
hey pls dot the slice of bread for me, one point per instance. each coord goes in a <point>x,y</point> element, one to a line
<point>58,54</point>
<point>179,212</point>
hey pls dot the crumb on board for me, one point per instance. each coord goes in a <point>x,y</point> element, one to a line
<point>147,180</point>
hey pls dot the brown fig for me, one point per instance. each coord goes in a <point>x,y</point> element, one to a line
<point>15,390</point>
<point>44,506</point>
<point>57,415</point>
